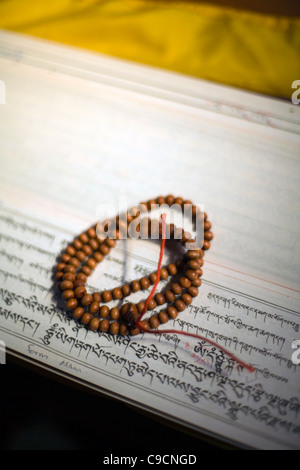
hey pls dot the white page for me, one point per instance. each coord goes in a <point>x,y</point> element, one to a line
<point>78,130</point>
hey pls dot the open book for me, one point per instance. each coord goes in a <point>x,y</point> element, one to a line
<point>79,130</point>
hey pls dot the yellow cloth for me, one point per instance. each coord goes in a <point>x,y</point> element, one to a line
<point>240,48</point>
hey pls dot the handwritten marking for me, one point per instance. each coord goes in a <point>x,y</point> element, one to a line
<point>33,350</point>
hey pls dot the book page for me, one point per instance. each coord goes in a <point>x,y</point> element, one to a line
<point>78,131</point>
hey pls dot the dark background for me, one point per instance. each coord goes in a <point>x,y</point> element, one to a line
<point>39,412</point>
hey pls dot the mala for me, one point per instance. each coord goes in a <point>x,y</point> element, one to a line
<point>81,258</point>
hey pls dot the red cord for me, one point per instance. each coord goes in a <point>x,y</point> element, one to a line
<point>185,333</point>
<point>162,247</point>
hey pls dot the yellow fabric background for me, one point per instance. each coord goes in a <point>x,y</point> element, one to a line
<point>240,48</point>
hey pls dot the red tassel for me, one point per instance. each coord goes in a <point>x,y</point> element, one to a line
<point>160,332</point>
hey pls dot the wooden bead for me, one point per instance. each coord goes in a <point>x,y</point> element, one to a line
<point>81,276</point>
<point>134,331</point>
<point>145,325</point>
<point>69,269</point>
<point>124,330</point>
<point>176,288</point>
<point>152,278</point>
<point>191,274</point>
<point>74,262</point>
<point>199,272</point>
<point>86,318</point>
<point>197,282</point>
<point>78,312</point>
<point>68,294</point>
<point>114,328</point>
<point>91,232</point>
<point>130,218</point>
<point>134,211</point>
<point>135,286</point>
<point>186,237</point>
<point>163,317</point>
<point>94,307</point>
<point>172,312</point>
<point>93,243</point>
<point>77,244</point>
<point>114,313</point>
<point>129,314</point>
<point>98,256</point>
<point>84,238</point>
<point>104,249</point>
<point>86,300</point>
<point>117,293</point>
<point>86,270</point>
<point>160,298</point>
<point>87,249</point>
<point>172,268</point>
<point>104,311</point>
<point>184,282</point>
<point>160,200</point>
<point>80,255</point>
<point>187,202</point>
<point>59,275</point>
<point>164,273</point>
<point>79,283</point>
<point>126,290</point>
<point>104,325</point>
<point>65,257</point>
<point>79,291</point>
<point>194,263</point>
<point>152,304</point>
<point>208,235</point>
<point>170,199</point>
<point>187,299</point>
<point>206,245</point>
<point>179,305</point>
<point>193,291</point>
<point>69,277</point>
<point>193,254</point>
<point>150,203</point>
<point>94,324</point>
<point>145,283</point>
<point>110,242</point>
<point>106,296</point>
<point>179,200</point>
<point>97,297</point>
<point>66,285</point>
<point>71,304</point>
<point>140,306</point>
<point>61,266</point>
<point>154,321</point>
<point>70,250</point>
<point>169,295</point>
<point>92,263</point>
<point>206,225</point>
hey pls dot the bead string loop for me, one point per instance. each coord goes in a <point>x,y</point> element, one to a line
<point>81,257</point>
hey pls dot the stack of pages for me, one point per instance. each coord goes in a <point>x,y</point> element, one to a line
<point>80,131</point>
